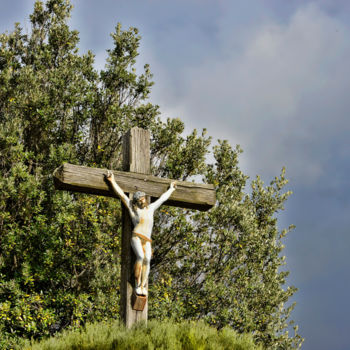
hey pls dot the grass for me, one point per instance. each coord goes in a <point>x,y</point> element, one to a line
<point>156,335</point>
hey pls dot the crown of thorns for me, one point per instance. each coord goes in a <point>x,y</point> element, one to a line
<point>137,195</point>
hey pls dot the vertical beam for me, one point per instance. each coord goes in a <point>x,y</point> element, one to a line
<point>136,158</point>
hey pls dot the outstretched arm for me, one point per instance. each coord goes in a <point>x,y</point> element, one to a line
<point>118,191</point>
<point>164,197</point>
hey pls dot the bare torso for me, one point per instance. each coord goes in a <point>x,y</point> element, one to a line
<point>143,221</point>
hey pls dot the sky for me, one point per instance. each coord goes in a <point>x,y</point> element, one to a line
<point>273,77</point>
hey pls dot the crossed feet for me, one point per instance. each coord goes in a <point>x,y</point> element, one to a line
<point>141,291</point>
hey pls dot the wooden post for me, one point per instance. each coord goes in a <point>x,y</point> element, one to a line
<point>136,158</point>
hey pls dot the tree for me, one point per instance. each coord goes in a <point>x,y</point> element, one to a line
<point>59,255</point>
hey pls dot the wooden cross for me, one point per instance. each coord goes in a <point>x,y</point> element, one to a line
<point>136,163</point>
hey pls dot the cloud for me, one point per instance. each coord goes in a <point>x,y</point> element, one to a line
<point>281,96</point>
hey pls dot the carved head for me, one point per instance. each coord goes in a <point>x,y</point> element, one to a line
<point>139,199</point>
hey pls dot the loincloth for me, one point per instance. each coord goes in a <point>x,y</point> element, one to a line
<point>144,239</point>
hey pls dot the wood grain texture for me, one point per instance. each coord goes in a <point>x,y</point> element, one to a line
<point>91,180</point>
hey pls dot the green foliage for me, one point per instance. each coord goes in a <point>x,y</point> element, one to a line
<point>157,335</point>
<point>59,252</point>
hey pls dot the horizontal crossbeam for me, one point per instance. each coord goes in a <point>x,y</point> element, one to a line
<point>91,180</point>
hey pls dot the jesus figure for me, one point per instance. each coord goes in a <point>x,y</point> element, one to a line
<point>141,213</point>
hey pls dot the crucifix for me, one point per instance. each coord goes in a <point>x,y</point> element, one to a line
<point>135,178</point>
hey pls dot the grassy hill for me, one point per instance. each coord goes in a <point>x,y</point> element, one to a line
<point>156,335</point>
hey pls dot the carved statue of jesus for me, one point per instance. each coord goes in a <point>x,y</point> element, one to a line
<point>141,213</point>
